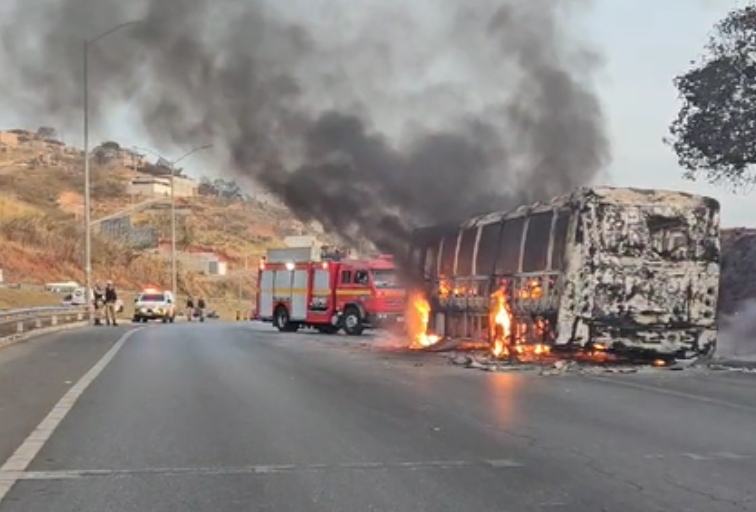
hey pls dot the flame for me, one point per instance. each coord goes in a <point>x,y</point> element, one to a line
<point>502,324</point>
<point>447,290</point>
<point>532,290</point>
<point>509,337</point>
<point>417,322</point>
<point>444,290</point>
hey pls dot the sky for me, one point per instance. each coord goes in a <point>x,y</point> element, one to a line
<point>645,47</point>
<point>644,43</point>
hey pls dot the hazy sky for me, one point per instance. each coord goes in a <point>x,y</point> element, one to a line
<point>645,43</point>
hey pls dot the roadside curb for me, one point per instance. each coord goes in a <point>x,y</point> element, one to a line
<point>19,338</point>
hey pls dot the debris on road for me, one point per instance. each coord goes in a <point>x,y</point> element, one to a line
<point>547,366</point>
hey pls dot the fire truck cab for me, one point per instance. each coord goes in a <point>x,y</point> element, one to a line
<point>302,287</point>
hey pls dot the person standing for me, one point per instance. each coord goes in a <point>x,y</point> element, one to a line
<point>201,306</point>
<point>111,298</point>
<point>98,302</point>
<point>189,308</point>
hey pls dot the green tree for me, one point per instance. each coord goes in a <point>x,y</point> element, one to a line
<point>714,134</point>
<point>47,132</point>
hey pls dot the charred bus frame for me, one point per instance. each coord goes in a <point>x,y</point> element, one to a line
<point>565,270</point>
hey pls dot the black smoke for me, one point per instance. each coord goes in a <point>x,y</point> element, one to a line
<point>343,109</point>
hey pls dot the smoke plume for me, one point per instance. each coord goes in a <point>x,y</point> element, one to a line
<point>737,333</point>
<point>370,117</point>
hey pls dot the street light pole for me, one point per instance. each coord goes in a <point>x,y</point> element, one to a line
<point>172,168</point>
<point>174,269</point>
<point>87,187</point>
<point>87,171</point>
<point>242,275</point>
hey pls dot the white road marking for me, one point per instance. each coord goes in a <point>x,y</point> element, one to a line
<point>267,469</point>
<point>697,457</point>
<point>702,457</point>
<point>24,455</point>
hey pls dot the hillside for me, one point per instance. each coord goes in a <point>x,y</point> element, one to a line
<point>42,228</point>
<point>738,282</point>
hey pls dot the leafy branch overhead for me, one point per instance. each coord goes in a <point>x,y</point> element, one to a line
<point>714,134</point>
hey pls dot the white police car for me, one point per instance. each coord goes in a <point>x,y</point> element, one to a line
<point>154,304</point>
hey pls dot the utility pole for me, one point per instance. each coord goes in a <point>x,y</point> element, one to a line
<point>242,275</point>
<point>87,171</point>
<point>174,267</point>
<point>172,169</point>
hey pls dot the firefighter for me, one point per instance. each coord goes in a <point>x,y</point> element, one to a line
<point>98,301</point>
<point>201,306</point>
<point>111,298</point>
<point>189,308</point>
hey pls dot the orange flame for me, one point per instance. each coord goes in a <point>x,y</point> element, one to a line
<point>502,324</point>
<point>417,322</point>
<point>508,336</point>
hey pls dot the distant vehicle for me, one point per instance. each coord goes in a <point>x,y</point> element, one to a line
<point>154,304</point>
<point>77,299</point>
<point>209,313</point>
<point>65,287</point>
<point>304,287</point>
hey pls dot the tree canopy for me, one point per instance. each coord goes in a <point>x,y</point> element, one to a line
<point>714,134</point>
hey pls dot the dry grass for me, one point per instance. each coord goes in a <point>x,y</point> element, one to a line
<point>19,299</point>
<point>43,240</point>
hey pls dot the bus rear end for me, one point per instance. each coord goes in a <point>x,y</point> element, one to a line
<point>650,262</point>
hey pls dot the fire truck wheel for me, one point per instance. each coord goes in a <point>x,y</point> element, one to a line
<point>282,320</point>
<point>352,322</point>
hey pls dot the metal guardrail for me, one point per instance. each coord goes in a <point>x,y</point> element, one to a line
<point>20,321</point>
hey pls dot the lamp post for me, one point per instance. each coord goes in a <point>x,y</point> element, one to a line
<point>87,174</point>
<point>242,275</point>
<point>172,167</point>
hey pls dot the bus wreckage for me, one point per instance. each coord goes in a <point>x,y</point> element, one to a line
<point>616,270</point>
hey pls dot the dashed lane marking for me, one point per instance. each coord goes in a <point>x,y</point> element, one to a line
<point>23,456</point>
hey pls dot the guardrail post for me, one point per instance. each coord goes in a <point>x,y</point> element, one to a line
<point>38,323</point>
<point>20,327</point>
<point>54,320</point>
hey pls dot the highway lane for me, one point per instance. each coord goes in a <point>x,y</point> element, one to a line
<point>227,417</point>
<point>35,374</point>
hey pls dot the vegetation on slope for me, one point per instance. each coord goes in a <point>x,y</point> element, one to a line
<point>42,231</point>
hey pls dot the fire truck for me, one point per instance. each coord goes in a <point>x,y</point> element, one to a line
<point>306,287</point>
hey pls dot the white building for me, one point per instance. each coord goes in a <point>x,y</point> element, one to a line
<point>157,186</point>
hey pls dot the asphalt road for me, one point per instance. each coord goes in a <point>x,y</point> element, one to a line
<point>227,417</point>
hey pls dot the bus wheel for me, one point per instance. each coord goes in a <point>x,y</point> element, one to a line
<point>352,322</point>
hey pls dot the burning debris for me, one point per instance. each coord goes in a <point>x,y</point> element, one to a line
<point>547,365</point>
<point>418,311</point>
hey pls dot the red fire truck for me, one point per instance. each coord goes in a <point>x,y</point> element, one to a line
<point>303,287</point>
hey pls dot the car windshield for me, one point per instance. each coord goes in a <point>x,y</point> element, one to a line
<point>385,279</point>
<point>152,297</point>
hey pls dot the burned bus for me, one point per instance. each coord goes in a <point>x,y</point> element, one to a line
<point>617,269</point>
